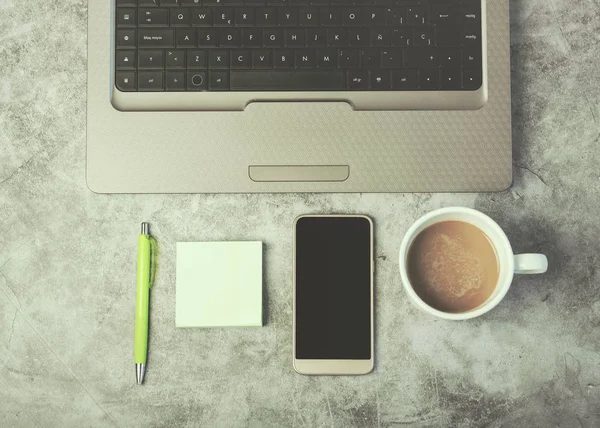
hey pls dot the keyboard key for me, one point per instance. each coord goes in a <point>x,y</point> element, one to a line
<point>326,58</point>
<point>308,80</point>
<point>330,17</point>
<point>395,16</point>
<point>470,14</point>
<point>186,38</point>
<point>126,60</point>
<point>294,38</point>
<point>218,80</point>
<point>175,81</point>
<point>417,15</point>
<point>305,58</point>
<point>337,37</point>
<point>196,81</point>
<point>380,37</point>
<point>403,37</point>
<point>421,58</point>
<point>450,79</point>
<point>404,79</point>
<point>316,37</point>
<point>150,81</point>
<point>261,59</point>
<point>175,58</point>
<point>223,17</point>
<point>374,16</point>
<point>391,58</point>
<point>266,17</point>
<point>283,58</point>
<point>180,17</point>
<point>358,37</point>
<point>308,17</point>
<point>148,3</point>
<point>471,37</point>
<point>370,58</point>
<point>287,17</point>
<point>251,37</point>
<point>380,80</point>
<point>240,59</point>
<point>150,59</point>
<point>126,17</point>
<point>197,59</point>
<point>207,38</point>
<point>348,58</point>
<point>273,38</point>
<point>450,36</point>
<point>230,37</point>
<point>148,17</point>
<point>218,59</point>
<point>449,58</point>
<point>125,38</point>
<point>358,79</point>
<point>125,81</point>
<point>423,38</point>
<point>244,17</point>
<point>429,79</point>
<point>472,79</point>
<point>155,38</point>
<point>202,17</point>
<point>444,14</point>
<point>352,17</point>
<point>471,58</point>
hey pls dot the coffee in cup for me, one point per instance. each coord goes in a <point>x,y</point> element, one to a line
<point>453,266</point>
<point>457,263</point>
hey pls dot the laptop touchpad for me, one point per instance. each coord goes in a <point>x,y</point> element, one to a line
<point>299,172</point>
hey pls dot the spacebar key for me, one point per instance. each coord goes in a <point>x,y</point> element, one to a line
<point>287,80</point>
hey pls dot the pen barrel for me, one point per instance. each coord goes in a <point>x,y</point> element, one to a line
<point>142,300</point>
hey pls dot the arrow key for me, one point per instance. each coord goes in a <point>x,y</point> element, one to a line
<point>175,81</point>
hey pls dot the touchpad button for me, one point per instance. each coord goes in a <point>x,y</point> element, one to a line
<point>299,172</point>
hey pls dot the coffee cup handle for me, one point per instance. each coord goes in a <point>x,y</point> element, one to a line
<point>528,264</point>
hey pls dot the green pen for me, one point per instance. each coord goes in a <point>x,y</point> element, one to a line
<point>145,278</point>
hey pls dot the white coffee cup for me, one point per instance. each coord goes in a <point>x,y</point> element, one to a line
<point>508,262</point>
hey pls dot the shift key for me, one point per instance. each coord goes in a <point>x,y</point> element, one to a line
<point>155,38</point>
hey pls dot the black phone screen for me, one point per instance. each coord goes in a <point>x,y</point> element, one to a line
<point>333,288</point>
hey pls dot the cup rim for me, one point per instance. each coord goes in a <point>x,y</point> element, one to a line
<point>411,234</point>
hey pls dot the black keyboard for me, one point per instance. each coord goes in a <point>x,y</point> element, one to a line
<point>298,45</point>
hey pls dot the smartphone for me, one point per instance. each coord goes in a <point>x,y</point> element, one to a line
<point>333,295</point>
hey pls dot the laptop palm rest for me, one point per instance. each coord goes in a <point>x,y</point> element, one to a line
<point>307,173</point>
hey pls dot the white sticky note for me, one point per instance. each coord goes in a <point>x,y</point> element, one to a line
<point>219,284</point>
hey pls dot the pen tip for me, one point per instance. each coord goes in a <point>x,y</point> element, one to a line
<point>145,228</point>
<point>140,371</point>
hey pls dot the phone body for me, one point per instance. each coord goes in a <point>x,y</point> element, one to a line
<point>333,331</point>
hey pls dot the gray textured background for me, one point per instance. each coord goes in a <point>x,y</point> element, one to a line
<point>67,265</point>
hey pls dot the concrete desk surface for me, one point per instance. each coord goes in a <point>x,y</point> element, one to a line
<point>67,265</point>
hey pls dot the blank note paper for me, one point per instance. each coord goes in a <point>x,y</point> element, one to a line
<point>219,284</point>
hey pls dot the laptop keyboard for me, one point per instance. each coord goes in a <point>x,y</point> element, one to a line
<point>298,45</point>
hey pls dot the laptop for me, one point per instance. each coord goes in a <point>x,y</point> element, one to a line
<point>238,96</point>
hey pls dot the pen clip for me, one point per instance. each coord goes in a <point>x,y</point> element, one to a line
<point>153,251</point>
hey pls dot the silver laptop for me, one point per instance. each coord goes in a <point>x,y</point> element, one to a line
<point>204,96</point>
